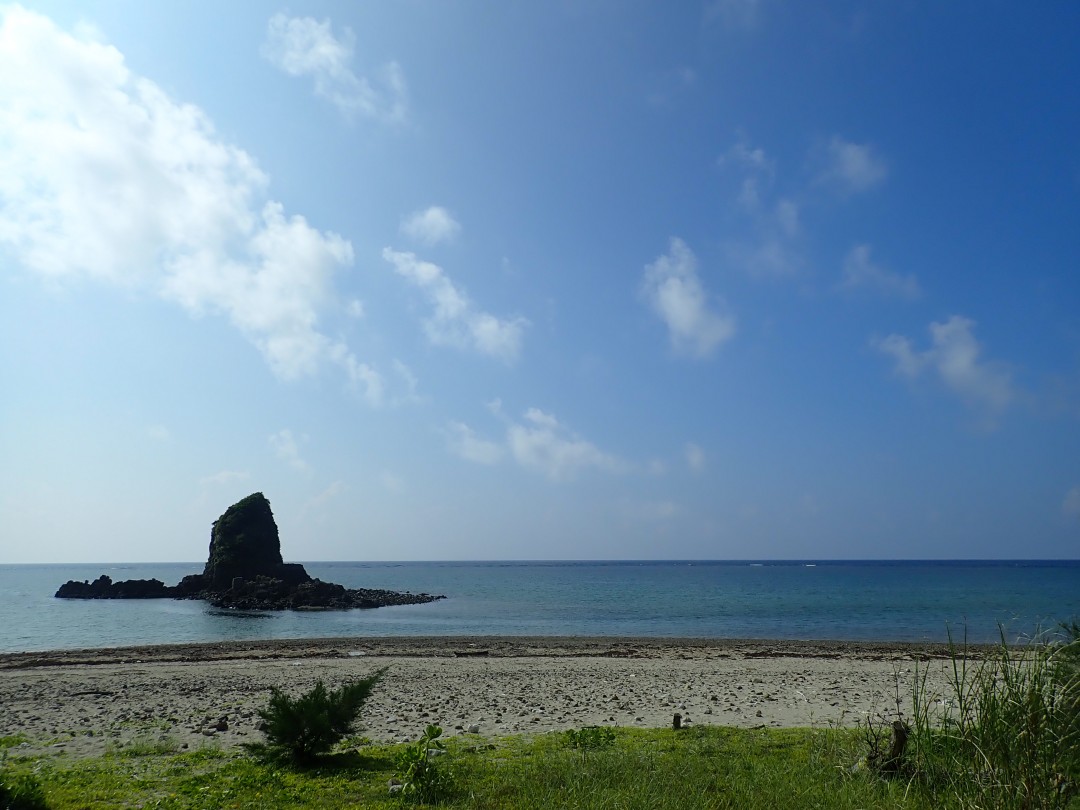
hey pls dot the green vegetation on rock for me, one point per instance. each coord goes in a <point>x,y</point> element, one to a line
<point>244,542</point>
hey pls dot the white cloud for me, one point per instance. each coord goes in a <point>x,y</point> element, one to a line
<point>103,176</point>
<point>672,288</point>
<point>861,273</point>
<point>431,226</point>
<point>224,477</point>
<point>286,449</point>
<point>1070,507</point>
<point>457,321</point>
<point>463,442</point>
<point>356,309</point>
<point>695,457</point>
<point>852,167</point>
<point>954,357</point>
<point>540,443</point>
<point>302,46</point>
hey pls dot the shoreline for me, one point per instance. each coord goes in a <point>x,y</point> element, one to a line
<point>480,646</point>
<point>83,703</point>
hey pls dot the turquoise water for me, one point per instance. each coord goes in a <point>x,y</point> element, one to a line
<point>894,601</point>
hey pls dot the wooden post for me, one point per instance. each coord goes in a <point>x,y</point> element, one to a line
<point>676,721</point>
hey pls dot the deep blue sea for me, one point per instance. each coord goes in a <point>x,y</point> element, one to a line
<point>851,600</point>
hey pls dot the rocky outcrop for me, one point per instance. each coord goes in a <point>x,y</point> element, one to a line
<point>245,571</point>
<point>104,588</point>
<point>244,543</point>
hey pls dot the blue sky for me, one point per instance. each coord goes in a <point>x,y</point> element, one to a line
<point>569,280</point>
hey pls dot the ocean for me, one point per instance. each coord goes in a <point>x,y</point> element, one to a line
<point>840,600</point>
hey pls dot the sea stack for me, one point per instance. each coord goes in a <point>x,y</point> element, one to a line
<point>244,544</point>
<point>245,570</point>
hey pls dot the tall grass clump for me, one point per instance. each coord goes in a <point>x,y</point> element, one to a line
<point>1009,735</point>
<point>301,729</point>
<point>20,791</point>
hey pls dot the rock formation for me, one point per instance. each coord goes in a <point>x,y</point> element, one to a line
<point>245,571</point>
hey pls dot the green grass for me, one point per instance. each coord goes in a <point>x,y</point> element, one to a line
<point>1007,735</point>
<point>704,767</point>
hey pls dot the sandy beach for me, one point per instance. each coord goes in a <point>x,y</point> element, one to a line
<point>79,703</point>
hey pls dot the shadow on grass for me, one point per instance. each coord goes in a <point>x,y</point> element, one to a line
<point>325,764</point>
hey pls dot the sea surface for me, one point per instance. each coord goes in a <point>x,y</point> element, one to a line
<point>849,600</point>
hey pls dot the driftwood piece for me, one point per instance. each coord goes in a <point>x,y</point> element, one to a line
<point>893,762</point>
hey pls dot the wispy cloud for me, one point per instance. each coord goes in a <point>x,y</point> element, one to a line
<point>672,288</point>
<point>286,448</point>
<point>860,273</point>
<point>649,510</point>
<point>1070,506</point>
<point>224,477</point>
<point>159,433</point>
<point>733,14</point>
<point>537,442</point>
<point>392,482</point>
<point>457,321</point>
<point>954,357</point>
<point>430,226</point>
<point>850,167</point>
<point>302,46</point>
<point>463,442</point>
<point>103,176</point>
<point>315,506</point>
<point>769,250</point>
<point>695,457</point>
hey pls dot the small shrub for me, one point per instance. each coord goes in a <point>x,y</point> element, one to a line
<point>590,738</point>
<point>422,776</point>
<point>301,729</point>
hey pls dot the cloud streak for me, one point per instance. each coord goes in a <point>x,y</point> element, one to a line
<point>302,46</point>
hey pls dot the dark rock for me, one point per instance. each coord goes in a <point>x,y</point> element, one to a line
<point>104,588</point>
<point>245,571</point>
<point>244,543</point>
